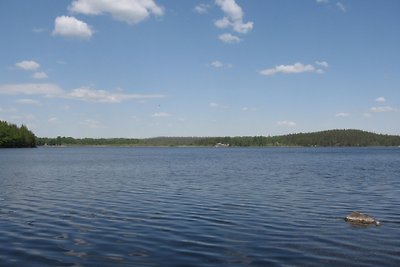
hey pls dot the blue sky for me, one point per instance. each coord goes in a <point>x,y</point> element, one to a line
<point>144,68</point>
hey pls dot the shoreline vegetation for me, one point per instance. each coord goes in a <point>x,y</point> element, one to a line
<point>330,138</point>
<point>12,136</point>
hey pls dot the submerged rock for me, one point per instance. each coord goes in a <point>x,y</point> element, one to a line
<point>360,218</point>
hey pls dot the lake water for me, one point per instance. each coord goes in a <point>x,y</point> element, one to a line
<point>198,206</point>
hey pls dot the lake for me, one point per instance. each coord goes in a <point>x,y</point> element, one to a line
<point>120,206</point>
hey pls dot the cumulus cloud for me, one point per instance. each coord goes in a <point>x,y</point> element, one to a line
<point>92,95</point>
<point>286,123</point>
<point>296,68</point>
<point>129,11</point>
<point>46,89</point>
<point>161,115</point>
<point>28,101</point>
<point>229,38</point>
<point>342,114</point>
<point>28,65</point>
<point>222,23</point>
<point>71,27</point>
<point>322,63</point>
<point>202,8</point>
<point>39,75</point>
<point>380,99</point>
<point>382,109</point>
<point>219,64</point>
<point>233,17</point>
<point>289,69</point>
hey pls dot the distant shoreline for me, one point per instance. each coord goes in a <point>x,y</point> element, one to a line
<point>213,147</point>
<point>330,138</point>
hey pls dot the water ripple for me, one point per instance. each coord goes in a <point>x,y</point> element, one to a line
<point>198,207</point>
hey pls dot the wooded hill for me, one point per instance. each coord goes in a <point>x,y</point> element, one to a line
<point>331,138</point>
<point>13,136</point>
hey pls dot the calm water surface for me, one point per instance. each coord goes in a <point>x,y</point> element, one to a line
<point>198,206</point>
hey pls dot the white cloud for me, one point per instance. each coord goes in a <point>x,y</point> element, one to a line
<point>341,6</point>
<point>219,64</point>
<point>39,75</point>
<point>52,120</point>
<point>213,105</point>
<point>322,1</point>
<point>161,115</point>
<point>46,89</point>
<point>92,95</point>
<point>202,8</point>
<point>222,23</point>
<point>249,109</point>
<point>229,38</point>
<point>129,11</point>
<point>28,65</point>
<point>382,109</point>
<point>83,93</point>
<point>71,27</point>
<point>322,63</point>
<point>342,114</point>
<point>233,17</point>
<point>380,99</point>
<point>216,105</point>
<point>289,69</point>
<point>286,123</point>
<point>28,101</point>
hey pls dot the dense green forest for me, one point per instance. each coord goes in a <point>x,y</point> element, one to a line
<point>13,136</point>
<point>331,138</point>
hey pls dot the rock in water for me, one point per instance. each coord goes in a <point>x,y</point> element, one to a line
<point>360,218</point>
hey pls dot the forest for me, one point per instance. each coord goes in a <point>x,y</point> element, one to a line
<point>330,138</point>
<point>12,136</point>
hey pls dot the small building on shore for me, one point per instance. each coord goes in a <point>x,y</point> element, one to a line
<point>221,145</point>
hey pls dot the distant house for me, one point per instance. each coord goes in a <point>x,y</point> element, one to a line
<point>221,145</point>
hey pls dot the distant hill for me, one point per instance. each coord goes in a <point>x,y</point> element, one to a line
<point>339,138</point>
<point>13,136</point>
<point>331,138</point>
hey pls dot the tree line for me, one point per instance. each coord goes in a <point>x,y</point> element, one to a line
<point>13,136</point>
<point>330,138</point>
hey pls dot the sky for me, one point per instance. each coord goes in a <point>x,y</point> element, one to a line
<point>147,68</point>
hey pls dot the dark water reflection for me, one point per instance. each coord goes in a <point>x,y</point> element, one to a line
<point>198,207</point>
